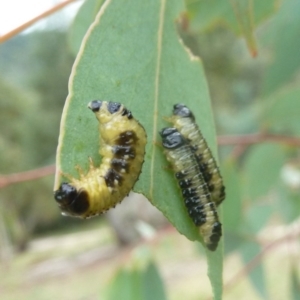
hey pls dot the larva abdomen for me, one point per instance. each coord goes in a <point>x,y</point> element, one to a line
<point>122,147</point>
<point>184,121</point>
<point>195,191</point>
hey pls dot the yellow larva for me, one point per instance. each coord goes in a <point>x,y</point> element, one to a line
<point>122,147</point>
<point>195,191</point>
<point>184,121</point>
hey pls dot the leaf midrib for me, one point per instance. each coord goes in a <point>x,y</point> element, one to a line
<point>156,90</point>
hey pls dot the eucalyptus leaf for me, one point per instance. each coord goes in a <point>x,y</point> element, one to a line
<point>257,275</point>
<point>262,169</point>
<point>258,215</point>
<point>281,111</point>
<point>84,18</point>
<point>288,203</point>
<point>283,37</point>
<point>295,283</point>
<point>132,54</point>
<point>232,206</point>
<point>241,16</point>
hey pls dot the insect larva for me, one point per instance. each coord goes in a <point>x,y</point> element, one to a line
<point>184,120</point>
<point>122,147</point>
<point>195,191</point>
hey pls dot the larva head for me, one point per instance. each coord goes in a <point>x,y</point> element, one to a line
<point>171,138</point>
<point>182,111</point>
<point>72,201</point>
<point>106,110</point>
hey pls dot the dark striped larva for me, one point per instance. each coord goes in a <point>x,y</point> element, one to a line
<point>122,147</point>
<point>195,191</point>
<point>184,120</point>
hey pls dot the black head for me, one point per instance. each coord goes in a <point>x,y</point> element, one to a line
<point>113,107</point>
<point>167,131</point>
<point>182,111</point>
<point>70,200</point>
<point>171,138</point>
<point>95,105</point>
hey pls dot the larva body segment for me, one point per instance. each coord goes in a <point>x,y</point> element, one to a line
<point>195,191</point>
<point>122,147</point>
<point>184,121</point>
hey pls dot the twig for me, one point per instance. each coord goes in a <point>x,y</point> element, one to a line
<point>242,273</point>
<point>6,180</point>
<point>257,138</point>
<point>24,26</point>
<point>240,141</point>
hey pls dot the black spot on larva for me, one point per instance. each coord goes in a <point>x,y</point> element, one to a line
<point>119,164</point>
<point>182,111</point>
<point>122,151</point>
<point>126,138</point>
<point>217,228</point>
<point>215,236</point>
<point>171,138</point>
<point>95,105</point>
<point>70,200</point>
<point>222,192</point>
<point>111,176</point>
<point>192,201</point>
<point>198,216</point>
<point>127,113</point>
<point>207,176</point>
<point>190,192</point>
<point>199,158</point>
<point>211,187</point>
<point>113,107</point>
<point>185,183</point>
<point>203,167</point>
<point>194,149</point>
<point>180,175</point>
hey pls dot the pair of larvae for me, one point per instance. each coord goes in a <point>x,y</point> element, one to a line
<point>196,172</point>
<point>122,148</point>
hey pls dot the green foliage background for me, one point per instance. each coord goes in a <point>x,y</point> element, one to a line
<point>132,54</point>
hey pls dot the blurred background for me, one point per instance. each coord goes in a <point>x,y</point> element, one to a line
<point>251,57</point>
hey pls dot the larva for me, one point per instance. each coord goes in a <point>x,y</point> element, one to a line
<point>184,121</point>
<point>195,191</point>
<point>122,147</point>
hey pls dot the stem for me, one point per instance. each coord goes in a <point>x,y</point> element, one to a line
<point>6,180</point>
<point>240,141</point>
<point>27,24</point>
<point>242,273</point>
<point>257,138</point>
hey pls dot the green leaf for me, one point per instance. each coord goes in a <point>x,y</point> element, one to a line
<point>137,282</point>
<point>153,287</point>
<point>84,18</point>
<point>233,240</point>
<point>295,283</point>
<point>258,215</point>
<point>248,251</point>
<point>121,287</point>
<point>283,38</point>
<point>232,206</point>
<point>242,17</point>
<point>132,54</point>
<point>288,203</point>
<point>262,169</point>
<point>244,14</point>
<point>280,112</point>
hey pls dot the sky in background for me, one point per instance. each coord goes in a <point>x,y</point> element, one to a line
<point>14,13</point>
